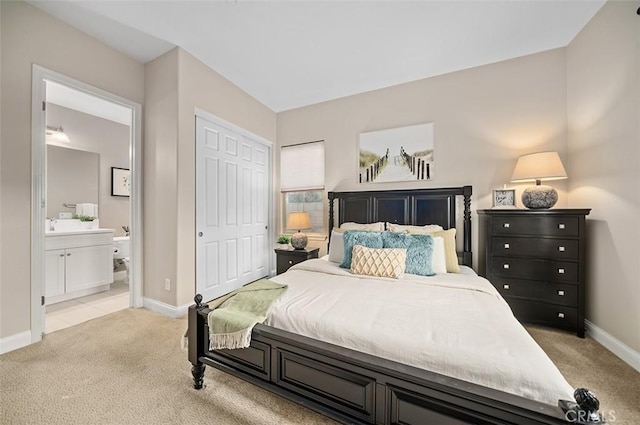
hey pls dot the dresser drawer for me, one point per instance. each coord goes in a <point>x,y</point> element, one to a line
<point>546,314</point>
<point>285,261</point>
<point>537,247</point>
<point>538,226</point>
<point>534,269</point>
<point>554,293</point>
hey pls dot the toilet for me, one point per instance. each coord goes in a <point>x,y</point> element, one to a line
<point>121,252</point>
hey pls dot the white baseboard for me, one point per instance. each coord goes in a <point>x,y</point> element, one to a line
<point>617,347</point>
<point>13,342</point>
<point>164,308</point>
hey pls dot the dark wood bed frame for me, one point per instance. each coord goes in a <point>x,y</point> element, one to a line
<point>357,388</point>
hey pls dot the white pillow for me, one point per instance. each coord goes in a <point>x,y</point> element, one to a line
<point>369,227</point>
<point>438,258</point>
<point>392,227</point>
<point>336,246</point>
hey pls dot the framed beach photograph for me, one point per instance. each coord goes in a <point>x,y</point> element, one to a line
<point>120,182</point>
<point>396,154</point>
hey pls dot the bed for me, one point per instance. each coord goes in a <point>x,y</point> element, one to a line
<point>324,371</point>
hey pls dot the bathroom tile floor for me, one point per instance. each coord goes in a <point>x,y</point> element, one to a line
<point>69,313</point>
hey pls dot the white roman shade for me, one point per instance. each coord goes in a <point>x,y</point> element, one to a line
<point>302,167</point>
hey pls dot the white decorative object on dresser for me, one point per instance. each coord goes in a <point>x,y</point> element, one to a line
<point>77,264</point>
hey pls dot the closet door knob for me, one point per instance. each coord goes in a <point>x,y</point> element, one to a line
<point>200,234</point>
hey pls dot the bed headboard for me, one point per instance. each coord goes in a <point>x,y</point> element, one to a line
<point>416,207</point>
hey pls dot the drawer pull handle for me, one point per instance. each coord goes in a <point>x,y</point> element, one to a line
<point>506,246</point>
<point>506,225</point>
<point>561,226</point>
<point>505,286</point>
<point>561,293</point>
<point>290,261</point>
<point>68,254</point>
<point>561,315</point>
<point>506,266</point>
<point>561,271</point>
<point>561,248</point>
<point>62,255</point>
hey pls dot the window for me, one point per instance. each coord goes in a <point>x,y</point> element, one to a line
<point>302,183</point>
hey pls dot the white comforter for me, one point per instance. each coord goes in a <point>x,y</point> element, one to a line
<point>454,324</point>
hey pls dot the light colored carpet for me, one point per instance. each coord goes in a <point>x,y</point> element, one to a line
<point>587,364</point>
<point>128,368</point>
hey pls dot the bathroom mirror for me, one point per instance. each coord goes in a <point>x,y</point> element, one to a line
<point>72,177</point>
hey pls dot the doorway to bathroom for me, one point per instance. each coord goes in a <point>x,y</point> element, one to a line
<point>86,224</point>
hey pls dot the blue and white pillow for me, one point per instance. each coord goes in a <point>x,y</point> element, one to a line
<point>419,251</point>
<point>357,237</point>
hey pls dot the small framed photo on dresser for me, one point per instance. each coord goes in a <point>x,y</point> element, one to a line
<point>504,198</point>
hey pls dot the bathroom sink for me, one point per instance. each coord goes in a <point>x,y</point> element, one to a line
<point>70,225</point>
<point>66,225</point>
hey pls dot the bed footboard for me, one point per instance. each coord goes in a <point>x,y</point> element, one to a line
<point>356,388</point>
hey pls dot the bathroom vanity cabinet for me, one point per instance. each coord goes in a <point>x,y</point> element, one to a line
<point>77,264</point>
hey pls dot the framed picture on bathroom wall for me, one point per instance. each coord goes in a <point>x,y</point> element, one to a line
<point>120,182</point>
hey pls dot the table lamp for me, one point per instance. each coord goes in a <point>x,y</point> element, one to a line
<point>297,221</point>
<point>539,167</point>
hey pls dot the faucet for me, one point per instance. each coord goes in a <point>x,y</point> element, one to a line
<point>52,221</point>
<point>126,230</point>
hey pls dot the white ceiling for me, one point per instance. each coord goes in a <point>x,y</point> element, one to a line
<point>289,54</point>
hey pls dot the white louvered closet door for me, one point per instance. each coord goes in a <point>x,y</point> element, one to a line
<point>232,209</point>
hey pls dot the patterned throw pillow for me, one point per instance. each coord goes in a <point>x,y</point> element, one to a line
<point>379,262</point>
<point>352,238</point>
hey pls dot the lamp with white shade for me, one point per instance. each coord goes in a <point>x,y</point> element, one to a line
<point>538,167</point>
<point>298,221</point>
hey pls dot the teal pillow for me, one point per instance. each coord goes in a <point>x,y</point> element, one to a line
<point>352,238</point>
<point>419,251</point>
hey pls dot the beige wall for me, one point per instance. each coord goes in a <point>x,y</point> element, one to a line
<point>203,88</point>
<point>484,119</point>
<point>187,84</point>
<point>30,36</point>
<point>603,113</point>
<point>160,176</point>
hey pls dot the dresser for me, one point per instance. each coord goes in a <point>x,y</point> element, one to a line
<point>286,258</point>
<point>536,260</point>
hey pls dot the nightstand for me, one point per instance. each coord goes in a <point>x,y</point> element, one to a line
<point>286,258</point>
<point>536,260</point>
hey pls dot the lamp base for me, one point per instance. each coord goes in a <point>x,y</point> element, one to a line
<point>299,240</point>
<point>539,197</point>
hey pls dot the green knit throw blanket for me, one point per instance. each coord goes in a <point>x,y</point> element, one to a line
<point>231,323</point>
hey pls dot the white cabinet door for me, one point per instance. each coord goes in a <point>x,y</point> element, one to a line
<point>54,272</point>
<point>88,266</point>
